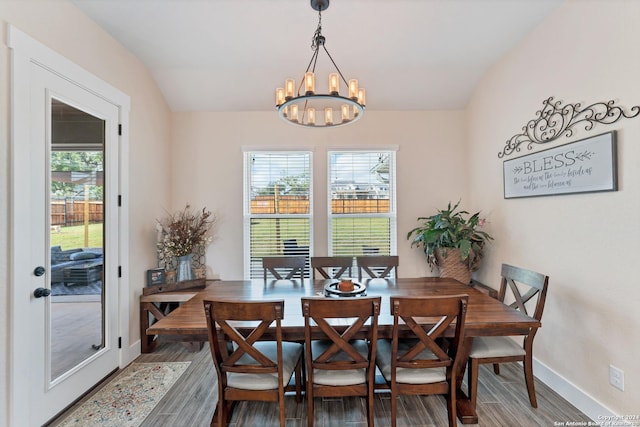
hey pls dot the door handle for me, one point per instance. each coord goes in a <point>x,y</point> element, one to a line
<point>41,292</point>
<point>39,270</point>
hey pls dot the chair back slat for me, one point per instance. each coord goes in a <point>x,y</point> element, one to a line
<point>324,265</point>
<point>340,343</point>
<point>223,334</point>
<point>536,284</point>
<point>427,339</point>
<point>378,266</point>
<point>293,265</point>
<point>357,311</point>
<point>428,319</point>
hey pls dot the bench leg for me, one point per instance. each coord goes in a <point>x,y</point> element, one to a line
<point>194,346</point>
<point>148,342</point>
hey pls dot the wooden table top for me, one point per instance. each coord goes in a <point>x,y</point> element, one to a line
<point>485,315</point>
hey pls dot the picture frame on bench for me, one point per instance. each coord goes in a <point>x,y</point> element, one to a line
<point>155,276</point>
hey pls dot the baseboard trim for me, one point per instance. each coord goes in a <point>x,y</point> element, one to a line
<point>134,351</point>
<point>571,393</point>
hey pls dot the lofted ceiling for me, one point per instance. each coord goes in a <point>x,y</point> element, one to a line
<point>231,55</point>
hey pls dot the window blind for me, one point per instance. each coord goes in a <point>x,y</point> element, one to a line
<point>362,205</point>
<point>277,213</point>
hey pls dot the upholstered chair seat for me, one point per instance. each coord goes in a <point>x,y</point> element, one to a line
<point>496,347</point>
<point>339,378</point>
<point>404,375</point>
<point>291,353</point>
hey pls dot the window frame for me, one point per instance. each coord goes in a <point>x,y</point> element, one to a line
<point>248,216</point>
<point>392,214</point>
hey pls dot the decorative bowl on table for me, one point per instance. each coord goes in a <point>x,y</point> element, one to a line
<point>346,285</point>
<point>344,288</point>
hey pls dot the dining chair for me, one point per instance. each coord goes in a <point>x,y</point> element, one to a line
<point>416,364</point>
<point>370,250</point>
<point>506,349</point>
<point>291,265</point>
<point>336,363</point>
<point>378,266</point>
<point>247,368</point>
<point>291,247</point>
<point>332,267</point>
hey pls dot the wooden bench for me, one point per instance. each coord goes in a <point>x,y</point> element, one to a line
<point>156,303</point>
<point>484,288</point>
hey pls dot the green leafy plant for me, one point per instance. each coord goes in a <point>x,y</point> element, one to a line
<point>448,229</point>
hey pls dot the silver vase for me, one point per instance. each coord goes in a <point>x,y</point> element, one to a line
<point>184,271</point>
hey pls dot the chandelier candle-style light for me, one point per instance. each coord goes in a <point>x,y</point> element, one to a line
<point>313,109</point>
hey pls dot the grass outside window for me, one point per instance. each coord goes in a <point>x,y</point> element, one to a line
<point>73,237</point>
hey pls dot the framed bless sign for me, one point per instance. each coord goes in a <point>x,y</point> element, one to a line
<point>584,166</point>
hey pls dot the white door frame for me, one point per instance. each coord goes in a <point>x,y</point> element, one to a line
<point>25,51</point>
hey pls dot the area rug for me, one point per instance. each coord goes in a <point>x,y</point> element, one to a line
<point>94,288</point>
<point>129,397</point>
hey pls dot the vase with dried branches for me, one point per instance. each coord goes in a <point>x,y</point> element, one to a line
<point>180,233</point>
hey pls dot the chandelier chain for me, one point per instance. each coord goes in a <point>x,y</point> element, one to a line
<point>317,41</point>
<point>314,46</point>
<point>317,34</point>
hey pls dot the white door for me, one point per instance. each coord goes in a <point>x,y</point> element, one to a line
<point>73,284</point>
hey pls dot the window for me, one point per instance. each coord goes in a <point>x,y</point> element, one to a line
<point>277,207</point>
<point>362,205</point>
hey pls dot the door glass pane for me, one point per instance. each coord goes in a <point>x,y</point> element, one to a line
<point>76,237</point>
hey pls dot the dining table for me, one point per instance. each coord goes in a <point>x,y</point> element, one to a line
<point>485,316</point>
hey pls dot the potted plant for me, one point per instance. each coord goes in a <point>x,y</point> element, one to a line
<point>451,241</point>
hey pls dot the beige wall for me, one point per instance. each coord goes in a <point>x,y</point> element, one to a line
<point>62,27</point>
<point>207,170</point>
<point>588,244</point>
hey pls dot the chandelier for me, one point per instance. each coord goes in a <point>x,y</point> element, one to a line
<point>313,109</point>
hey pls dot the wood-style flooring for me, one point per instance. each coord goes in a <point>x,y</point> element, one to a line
<point>76,331</point>
<point>502,401</point>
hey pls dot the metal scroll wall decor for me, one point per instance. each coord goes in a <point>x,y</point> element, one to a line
<point>555,120</point>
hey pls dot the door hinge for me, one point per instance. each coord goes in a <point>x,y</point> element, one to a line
<point>119,271</point>
<point>120,130</point>
<point>119,200</point>
<point>119,342</point>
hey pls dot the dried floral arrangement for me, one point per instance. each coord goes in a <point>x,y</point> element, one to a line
<point>181,232</point>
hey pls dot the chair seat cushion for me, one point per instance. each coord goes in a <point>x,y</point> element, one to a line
<point>406,375</point>
<point>495,347</point>
<point>291,352</point>
<point>339,377</point>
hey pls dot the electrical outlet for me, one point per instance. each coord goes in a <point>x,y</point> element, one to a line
<point>616,377</point>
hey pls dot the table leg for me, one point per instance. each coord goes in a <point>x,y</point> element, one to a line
<point>466,410</point>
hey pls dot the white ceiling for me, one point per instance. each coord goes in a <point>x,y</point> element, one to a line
<point>230,55</point>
